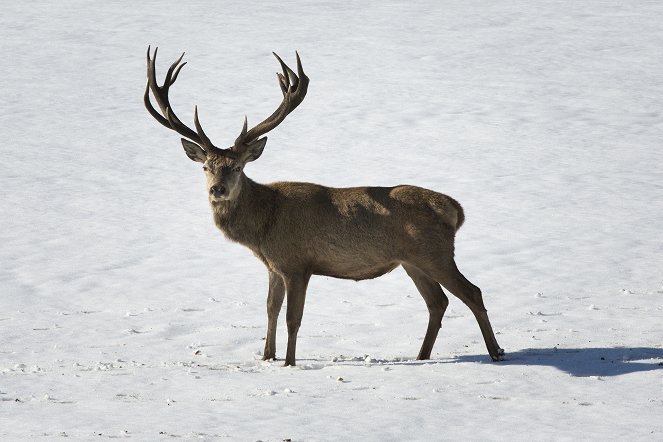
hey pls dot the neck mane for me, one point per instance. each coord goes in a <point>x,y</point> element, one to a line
<point>248,218</point>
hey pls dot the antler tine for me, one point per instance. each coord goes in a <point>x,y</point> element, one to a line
<point>240,139</point>
<point>204,138</point>
<point>300,70</point>
<point>283,83</point>
<point>170,78</point>
<point>288,74</point>
<point>167,116</point>
<point>146,98</point>
<point>294,87</point>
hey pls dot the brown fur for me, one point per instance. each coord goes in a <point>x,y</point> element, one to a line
<point>302,229</point>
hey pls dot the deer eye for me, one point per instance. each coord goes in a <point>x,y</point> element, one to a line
<point>205,168</point>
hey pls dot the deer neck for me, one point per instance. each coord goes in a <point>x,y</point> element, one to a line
<point>246,219</point>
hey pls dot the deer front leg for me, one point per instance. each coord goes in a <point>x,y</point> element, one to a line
<point>295,286</point>
<point>274,303</point>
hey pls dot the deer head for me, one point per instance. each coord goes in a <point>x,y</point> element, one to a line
<point>223,167</point>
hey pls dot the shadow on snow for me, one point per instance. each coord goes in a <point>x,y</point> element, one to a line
<point>582,361</point>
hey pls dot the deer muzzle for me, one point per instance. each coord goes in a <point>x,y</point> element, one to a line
<point>218,191</point>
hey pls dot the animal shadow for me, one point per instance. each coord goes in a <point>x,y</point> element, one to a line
<point>583,362</point>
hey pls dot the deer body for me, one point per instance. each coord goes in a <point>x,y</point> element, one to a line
<point>352,233</point>
<point>301,229</point>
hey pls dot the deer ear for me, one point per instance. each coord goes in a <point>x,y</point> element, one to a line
<point>253,150</point>
<point>193,151</point>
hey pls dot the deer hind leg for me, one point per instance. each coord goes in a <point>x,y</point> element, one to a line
<point>471,296</point>
<point>274,303</point>
<point>437,303</point>
<point>450,277</point>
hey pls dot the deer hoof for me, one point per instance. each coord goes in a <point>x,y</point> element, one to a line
<point>499,356</point>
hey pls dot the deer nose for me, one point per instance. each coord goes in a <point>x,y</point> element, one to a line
<point>217,190</point>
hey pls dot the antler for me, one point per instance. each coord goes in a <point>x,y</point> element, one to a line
<point>294,88</point>
<point>169,119</point>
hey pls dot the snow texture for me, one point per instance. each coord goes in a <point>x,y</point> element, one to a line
<point>124,313</point>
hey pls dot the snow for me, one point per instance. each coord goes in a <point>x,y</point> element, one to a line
<point>126,314</point>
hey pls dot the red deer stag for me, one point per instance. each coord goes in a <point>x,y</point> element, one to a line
<point>303,229</point>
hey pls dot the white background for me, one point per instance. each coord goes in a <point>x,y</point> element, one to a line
<point>124,313</point>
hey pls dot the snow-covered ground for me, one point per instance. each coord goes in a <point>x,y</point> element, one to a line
<point>124,313</point>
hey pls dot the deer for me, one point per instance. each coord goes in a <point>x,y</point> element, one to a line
<point>300,229</point>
